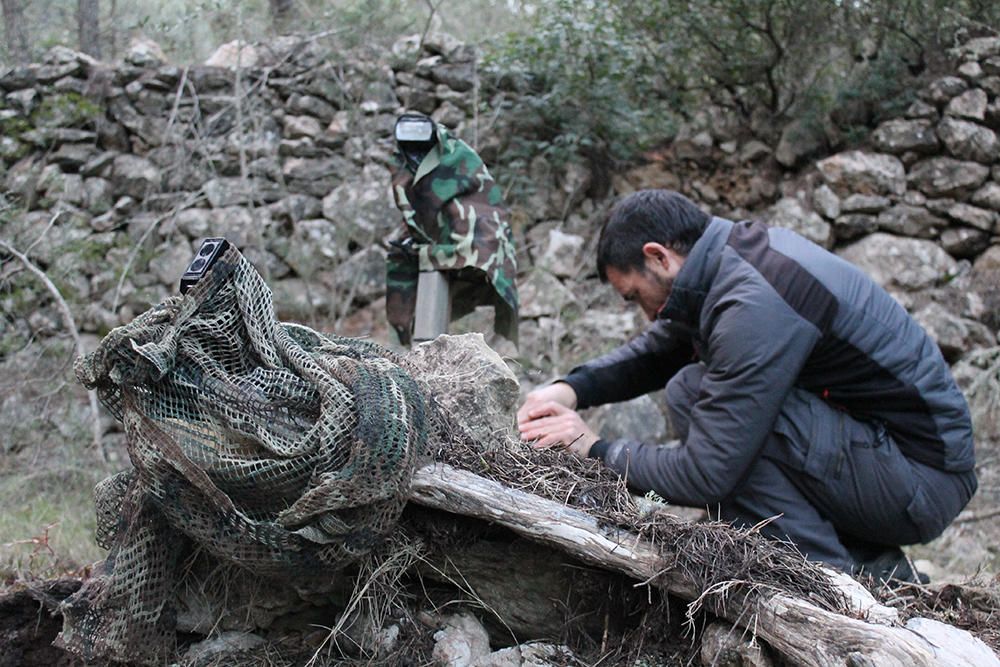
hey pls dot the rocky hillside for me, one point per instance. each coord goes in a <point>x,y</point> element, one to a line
<point>112,174</point>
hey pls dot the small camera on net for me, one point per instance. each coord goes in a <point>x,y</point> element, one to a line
<point>209,251</point>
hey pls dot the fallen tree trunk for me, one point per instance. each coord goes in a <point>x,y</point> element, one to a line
<point>799,631</point>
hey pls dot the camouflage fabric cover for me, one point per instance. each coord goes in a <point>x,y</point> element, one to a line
<point>453,212</point>
<point>266,445</point>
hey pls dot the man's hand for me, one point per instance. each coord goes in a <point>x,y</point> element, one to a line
<point>557,392</point>
<point>547,419</point>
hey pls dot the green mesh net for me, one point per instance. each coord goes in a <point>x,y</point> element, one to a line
<point>265,444</point>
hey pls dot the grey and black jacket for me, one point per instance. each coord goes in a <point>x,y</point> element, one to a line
<point>766,310</point>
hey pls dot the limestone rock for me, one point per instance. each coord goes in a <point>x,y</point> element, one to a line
<point>971,71</point>
<point>899,136</point>
<point>865,204</point>
<point>362,275</point>
<point>953,334</point>
<point>753,151</point>
<point>468,378</point>
<point>362,206</point>
<point>234,54</point>
<point>98,196</point>
<point>461,642</point>
<point>907,264</point>
<point>853,225</point>
<point>945,176</point>
<point>970,104</point>
<point>942,90</point>
<point>314,247</point>
<point>297,300</point>
<point>907,220</point>
<point>296,207</point>
<point>980,47</point>
<point>639,419</point>
<point>301,126</point>
<point>979,218</point>
<point>799,140</point>
<point>969,141</point>
<point>826,202</point>
<point>144,52</point>
<point>963,242</point>
<point>308,105</point>
<point>864,173</point>
<point>169,261</point>
<point>987,196</point>
<point>790,213</point>
<point>543,294</point>
<point>920,109</point>
<point>563,254</point>
<point>135,176</point>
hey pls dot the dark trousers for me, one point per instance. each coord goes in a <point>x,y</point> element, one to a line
<point>838,488</point>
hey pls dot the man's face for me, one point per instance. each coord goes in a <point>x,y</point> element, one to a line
<point>650,286</point>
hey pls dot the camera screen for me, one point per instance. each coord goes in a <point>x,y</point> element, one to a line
<point>414,129</point>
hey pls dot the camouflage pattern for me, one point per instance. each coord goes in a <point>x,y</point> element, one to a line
<point>455,221</point>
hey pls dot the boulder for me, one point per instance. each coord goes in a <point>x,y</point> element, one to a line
<point>99,196</point>
<point>920,109</point>
<point>980,218</point>
<point>970,71</point>
<point>964,242</point>
<point>826,202</point>
<point>969,141</point>
<point>987,196</point>
<point>953,334</point>
<point>234,54</point>
<point>541,294</point>
<point>314,247</point>
<point>753,151</point>
<point>469,378</point>
<point>941,91</point>
<point>902,263</point>
<point>362,206</point>
<point>144,52</point>
<point>945,176</point>
<point>853,225</point>
<point>907,220</point>
<point>640,419</point>
<point>899,136</point>
<point>243,227</point>
<point>301,126</point>
<point>362,276</point>
<point>134,176</point>
<point>971,104</point>
<point>169,261</point>
<point>865,204</point>
<point>980,47</point>
<point>790,213</point>
<point>563,255</point>
<point>296,207</point>
<point>864,173</point>
<point>799,140</point>
<point>461,642</point>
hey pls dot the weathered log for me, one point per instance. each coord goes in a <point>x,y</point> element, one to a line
<point>799,631</point>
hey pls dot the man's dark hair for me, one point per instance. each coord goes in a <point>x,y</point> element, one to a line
<point>658,216</point>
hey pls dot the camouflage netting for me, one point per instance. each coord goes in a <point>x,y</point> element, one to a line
<point>264,444</point>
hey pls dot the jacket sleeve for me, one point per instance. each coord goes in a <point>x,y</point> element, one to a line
<point>642,365</point>
<point>756,349</point>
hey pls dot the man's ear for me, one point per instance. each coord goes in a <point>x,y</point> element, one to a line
<point>656,252</point>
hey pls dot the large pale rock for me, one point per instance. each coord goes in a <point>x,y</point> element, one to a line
<point>466,377</point>
<point>639,419</point>
<point>790,213</point>
<point>135,176</point>
<point>971,104</point>
<point>980,218</point>
<point>362,275</point>
<point>853,225</point>
<point>963,242</point>
<point>969,141</point>
<point>543,294</point>
<point>301,126</point>
<point>826,202</point>
<point>865,204</point>
<point>864,173</point>
<point>987,196</point>
<point>907,264</point>
<point>980,47</point>
<point>978,376</point>
<point>899,136</point>
<point>362,206</point>
<point>460,642</point>
<point>945,176</point>
<point>169,261</point>
<point>313,247</point>
<point>799,140</point>
<point>144,52</point>
<point>953,334</point>
<point>563,255</point>
<point>234,54</point>
<point>907,220</point>
<point>233,191</point>
<point>942,90</point>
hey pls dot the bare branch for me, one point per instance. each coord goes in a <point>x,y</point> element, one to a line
<point>67,315</point>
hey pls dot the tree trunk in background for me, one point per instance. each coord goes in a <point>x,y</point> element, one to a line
<point>113,30</point>
<point>282,13</point>
<point>13,22</point>
<point>88,21</point>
